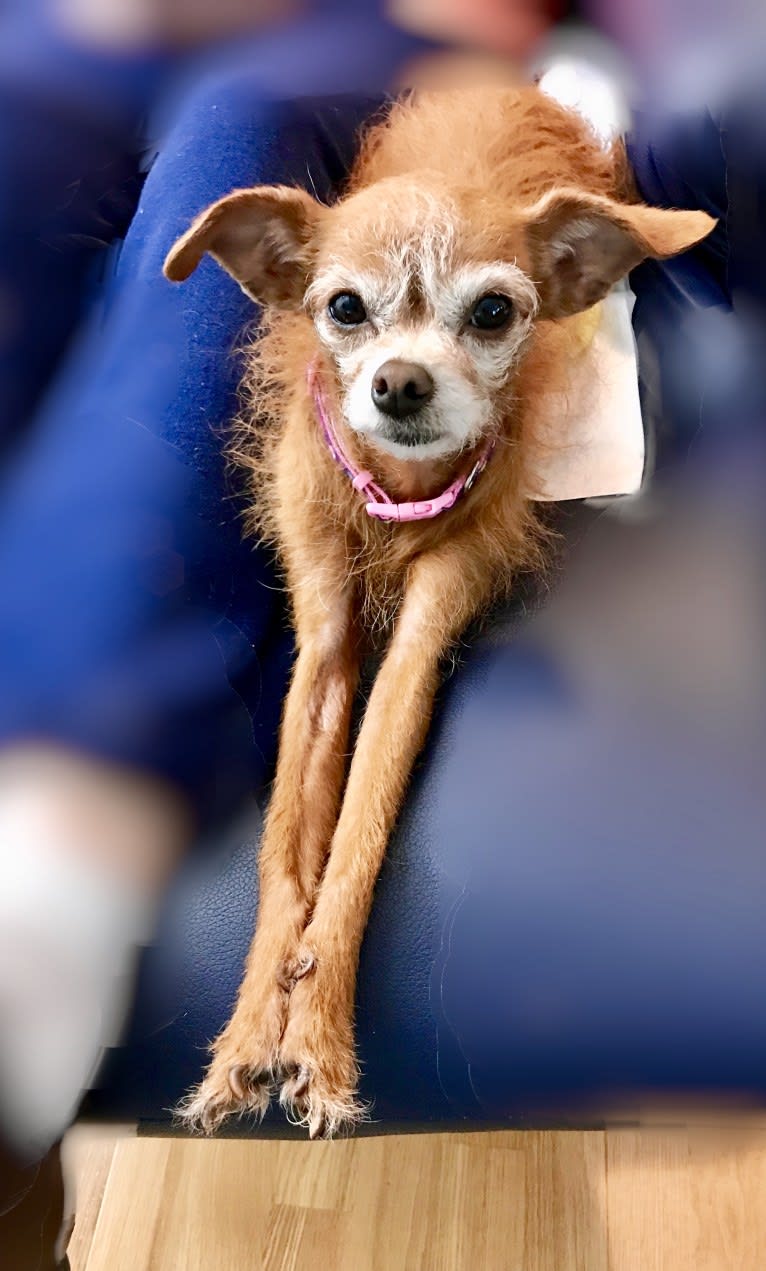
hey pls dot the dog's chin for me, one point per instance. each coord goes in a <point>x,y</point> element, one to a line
<point>403,440</point>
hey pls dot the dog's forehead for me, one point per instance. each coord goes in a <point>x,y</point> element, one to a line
<point>403,226</point>
<point>395,213</point>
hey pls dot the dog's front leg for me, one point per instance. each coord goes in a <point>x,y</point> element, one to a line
<point>443,593</point>
<point>300,821</point>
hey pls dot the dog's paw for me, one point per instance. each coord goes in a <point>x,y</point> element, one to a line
<point>317,1062</point>
<point>241,1075</point>
<point>315,1099</point>
<point>233,1091</point>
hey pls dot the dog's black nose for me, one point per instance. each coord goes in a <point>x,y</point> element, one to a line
<point>400,388</point>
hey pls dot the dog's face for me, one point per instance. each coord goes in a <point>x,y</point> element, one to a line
<point>424,321</point>
<point>424,296</point>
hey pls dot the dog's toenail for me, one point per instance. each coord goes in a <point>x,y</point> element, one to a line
<point>306,965</point>
<point>302,1083</point>
<point>235,1080</point>
<point>316,1129</point>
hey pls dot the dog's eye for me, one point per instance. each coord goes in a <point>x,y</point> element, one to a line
<point>347,309</point>
<point>491,313</point>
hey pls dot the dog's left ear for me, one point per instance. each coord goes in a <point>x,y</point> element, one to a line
<point>581,244</point>
<point>262,237</point>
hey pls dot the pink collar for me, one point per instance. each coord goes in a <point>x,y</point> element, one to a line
<point>381,506</point>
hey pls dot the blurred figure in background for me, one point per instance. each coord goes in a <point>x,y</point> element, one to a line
<point>143,651</point>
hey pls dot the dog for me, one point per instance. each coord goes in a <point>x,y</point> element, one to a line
<point>409,331</point>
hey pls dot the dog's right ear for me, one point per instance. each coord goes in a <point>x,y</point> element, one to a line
<point>581,244</point>
<point>262,237</point>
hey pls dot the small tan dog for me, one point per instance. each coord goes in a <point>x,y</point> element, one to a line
<point>410,329</point>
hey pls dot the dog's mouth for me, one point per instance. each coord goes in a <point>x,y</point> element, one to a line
<point>406,432</point>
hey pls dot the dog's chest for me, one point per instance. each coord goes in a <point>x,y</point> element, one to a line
<point>381,590</point>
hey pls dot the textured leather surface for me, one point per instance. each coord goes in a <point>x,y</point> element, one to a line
<point>554,934</point>
<point>569,918</point>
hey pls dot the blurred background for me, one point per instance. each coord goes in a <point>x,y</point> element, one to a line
<point>133,632</point>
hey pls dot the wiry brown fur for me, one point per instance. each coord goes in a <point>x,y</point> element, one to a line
<point>286,465</point>
<point>516,143</point>
<point>529,145</point>
<point>492,159</point>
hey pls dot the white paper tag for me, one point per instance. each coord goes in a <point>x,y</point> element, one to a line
<point>591,431</point>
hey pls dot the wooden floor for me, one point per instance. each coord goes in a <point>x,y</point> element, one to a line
<point>654,1200</point>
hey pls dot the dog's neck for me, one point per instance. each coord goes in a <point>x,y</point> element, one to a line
<point>406,480</point>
